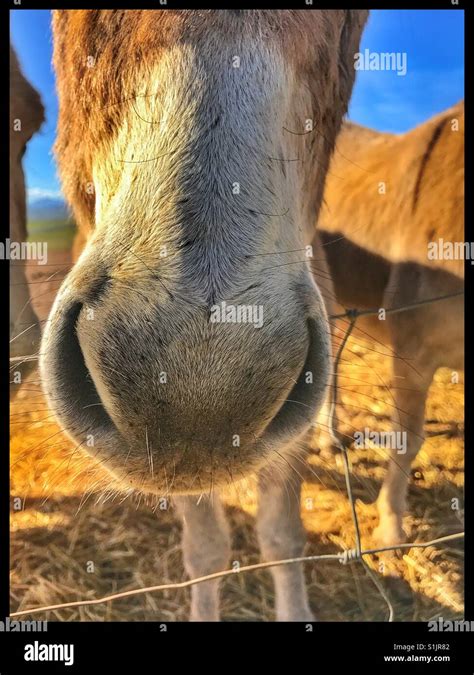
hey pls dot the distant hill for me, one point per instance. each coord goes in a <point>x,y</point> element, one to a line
<point>50,209</point>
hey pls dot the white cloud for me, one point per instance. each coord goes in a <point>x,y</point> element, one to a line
<point>41,193</point>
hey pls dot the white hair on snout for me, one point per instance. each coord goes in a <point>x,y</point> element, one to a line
<point>198,201</point>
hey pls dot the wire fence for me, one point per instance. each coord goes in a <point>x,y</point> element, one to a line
<point>344,557</point>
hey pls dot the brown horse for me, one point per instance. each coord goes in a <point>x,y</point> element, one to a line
<point>389,202</point>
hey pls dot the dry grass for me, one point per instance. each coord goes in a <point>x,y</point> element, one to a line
<point>68,545</point>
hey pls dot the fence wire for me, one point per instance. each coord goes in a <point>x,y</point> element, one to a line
<point>344,557</point>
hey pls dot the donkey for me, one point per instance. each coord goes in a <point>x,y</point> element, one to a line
<point>391,203</point>
<point>26,117</point>
<point>183,151</point>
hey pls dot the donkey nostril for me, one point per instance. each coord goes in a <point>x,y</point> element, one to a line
<point>70,387</point>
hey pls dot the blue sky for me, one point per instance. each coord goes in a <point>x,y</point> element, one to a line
<point>433,41</point>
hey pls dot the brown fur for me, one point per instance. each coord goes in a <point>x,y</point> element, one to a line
<point>121,39</point>
<point>423,170</point>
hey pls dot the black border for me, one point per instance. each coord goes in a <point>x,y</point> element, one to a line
<point>144,646</point>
